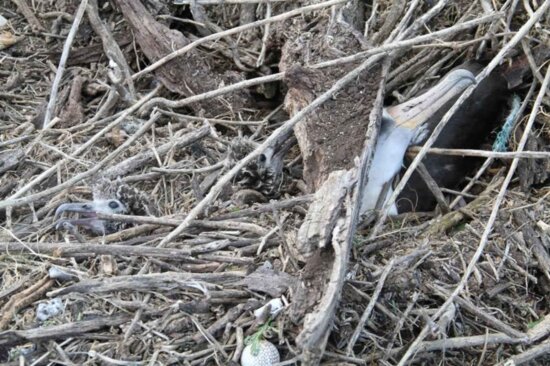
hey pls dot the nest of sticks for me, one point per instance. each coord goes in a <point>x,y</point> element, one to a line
<point>178,100</point>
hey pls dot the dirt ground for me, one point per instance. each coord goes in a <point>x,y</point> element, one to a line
<point>190,124</point>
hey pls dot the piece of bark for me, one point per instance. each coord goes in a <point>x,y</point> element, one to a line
<point>9,159</point>
<point>318,322</point>
<point>269,281</point>
<point>247,15</point>
<point>332,137</point>
<point>29,15</point>
<point>188,74</point>
<point>313,282</point>
<point>393,17</point>
<point>534,171</point>
<point>63,331</point>
<point>166,281</point>
<point>72,113</point>
<point>533,241</point>
<point>323,212</point>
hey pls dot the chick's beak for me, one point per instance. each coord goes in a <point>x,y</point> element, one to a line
<point>417,111</point>
<point>87,218</point>
<point>84,208</point>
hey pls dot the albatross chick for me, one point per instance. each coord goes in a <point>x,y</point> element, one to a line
<point>109,197</point>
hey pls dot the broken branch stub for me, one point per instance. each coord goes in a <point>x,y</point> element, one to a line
<point>323,212</point>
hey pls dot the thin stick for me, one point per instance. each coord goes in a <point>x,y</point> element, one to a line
<point>530,354</point>
<point>500,197</point>
<point>63,61</point>
<point>412,41</point>
<point>415,150</point>
<point>368,309</point>
<point>265,37</point>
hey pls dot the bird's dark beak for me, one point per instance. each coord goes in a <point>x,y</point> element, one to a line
<point>84,208</point>
<point>417,111</point>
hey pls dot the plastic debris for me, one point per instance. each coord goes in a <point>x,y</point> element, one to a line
<point>275,307</point>
<point>49,309</point>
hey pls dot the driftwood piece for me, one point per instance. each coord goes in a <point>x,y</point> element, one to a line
<point>534,242</point>
<point>324,212</point>
<point>313,283</point>
<point>317,324</point>
<point>73,112</point>
<point>113,52</point>
<point>24,299</point>
<point>166,281</point>
<point>312,340</point>
<point>63,331</point>
<point>330,140</point>
<point>189,74</point>
<point>333,136</point>
<point>9,159</point>
<point>269,281</point>
<point>534,171</point>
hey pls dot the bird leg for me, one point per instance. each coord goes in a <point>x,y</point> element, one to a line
<point>71,227</point>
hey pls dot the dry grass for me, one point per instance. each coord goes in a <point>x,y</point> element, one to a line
<point>149,295</point>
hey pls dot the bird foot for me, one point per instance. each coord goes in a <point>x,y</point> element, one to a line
<point>68,226</point>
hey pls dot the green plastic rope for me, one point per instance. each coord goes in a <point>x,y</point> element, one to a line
<point>501,142</point>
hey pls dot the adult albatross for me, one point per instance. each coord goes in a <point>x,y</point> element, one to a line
<point>413,121</point>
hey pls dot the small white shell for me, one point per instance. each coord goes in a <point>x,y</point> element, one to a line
<point>267,355</point>
<point>49,309</point>
<point>3,21</point>
<point>276,307</point>
<point>59,274</point>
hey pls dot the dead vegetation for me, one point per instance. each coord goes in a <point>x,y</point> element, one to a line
<point>185,102</point>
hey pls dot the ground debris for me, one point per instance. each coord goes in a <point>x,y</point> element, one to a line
<point>185,282</point>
